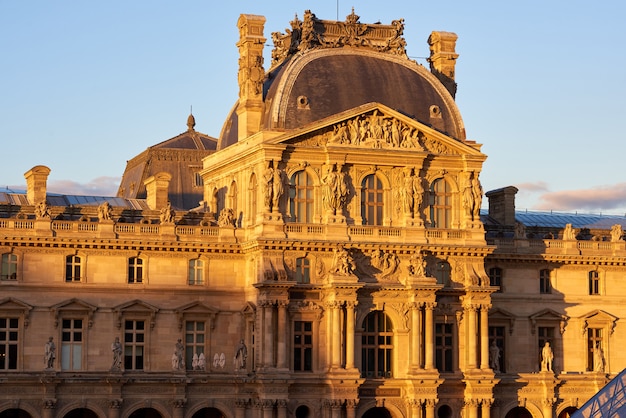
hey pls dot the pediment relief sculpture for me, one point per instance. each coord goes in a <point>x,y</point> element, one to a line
<point>378,131</point>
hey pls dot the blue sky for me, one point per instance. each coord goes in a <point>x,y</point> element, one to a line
<point>85,86</point>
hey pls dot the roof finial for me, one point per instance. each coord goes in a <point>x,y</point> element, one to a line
<point>191,121</point>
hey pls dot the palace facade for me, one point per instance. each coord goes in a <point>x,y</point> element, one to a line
<point>325,256</point>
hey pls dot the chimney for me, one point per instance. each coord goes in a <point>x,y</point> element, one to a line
<point>251,74</point>
<point>36,184</point>
<point>443,58</point>
<point>157,189</point>
<point>502,205</point>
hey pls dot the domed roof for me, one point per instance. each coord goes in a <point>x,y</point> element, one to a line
<point>327,77</point>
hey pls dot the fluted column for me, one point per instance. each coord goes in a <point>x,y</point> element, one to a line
<point>281,406</point>
<point>114,408</point>
<point>336,333</point>
<point>486,408</point>
<point>471,336</point>
<point>429,342</point>
<point>430,408</point>
<point>471,408</point>
<point>282,335</point>
<point>351,408</point>
<point>350,319</point>
<point>416,337</point>
<point>268,408</point>
<point>484,337</point>
<point>240,408</point>
<point>416,408</point>
<point>268,349</point>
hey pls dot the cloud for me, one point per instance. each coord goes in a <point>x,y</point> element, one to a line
<point>602,198</point>
<point>100,186</point>
<point>539,186</point>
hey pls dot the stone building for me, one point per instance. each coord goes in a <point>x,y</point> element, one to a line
<point>336,263</point>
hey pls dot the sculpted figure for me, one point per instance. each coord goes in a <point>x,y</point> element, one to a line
<point>104,212</point>
<point>417,265</point>
<point>42,211</point>
<point>330,187</point>
<point>477,190</point>
<point>598,359</point>
<point>569,234</point>
<point>167,214</point>
<point>278,188</point>
<point>179,351</point>
<point>226,218</point>
<point>268,178</point>
<point>50,353</point>
<point>201,362</point>
<point>343,263</point>
<point>241,354</point>
<point>494,356</point>
<point>116,348</point>
<point>406,192</point>
<point>546,358</point>
<point>194,361</point>
<point>616,233</point>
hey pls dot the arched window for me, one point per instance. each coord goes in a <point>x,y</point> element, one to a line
<point>441,204</point>
<point>377,346</point>
<point>372,200</point>
<point>301,197</point>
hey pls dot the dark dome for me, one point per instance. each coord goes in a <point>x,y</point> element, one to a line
<point>318,83</point>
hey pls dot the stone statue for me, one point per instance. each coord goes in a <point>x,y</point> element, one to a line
<point>104,212</point>
<point>167,214</point>
<point>407,192</point>
<point>278,188</point>
<point>616,233</point>
<point>49,354</point>
<point>598,359</point>
<point>226,218</point>
<point>179,351</point>
<point>194,361</point>
<point>477,189</point>
<point>241,354</point>
<point>175,363</point>
<point>343,262</point>
<point>546,358</point>
<point>42,211</point>
<point>569,234</point>
<point>335,190</point>
<point>116,348</point>
<point>417,265</point>
<point>494,356</point>
<point>201,362</point>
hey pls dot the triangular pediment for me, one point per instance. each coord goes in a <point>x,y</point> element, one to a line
<point>73,306</point>
<point>547,316</point>
<point>136,308</point>
<point>502,316</point>
<point>376,126</point>
<point>12,306</point>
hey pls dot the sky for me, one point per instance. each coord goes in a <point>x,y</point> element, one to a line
<point>86,86</point>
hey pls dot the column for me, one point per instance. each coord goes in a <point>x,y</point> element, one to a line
<point>179,408</point>
<point>471,408</point>
<point>240,408</point>
<point>268,408</point>
<point>471,336</point>
<point>114,408</point>
<point>49,406</point>
<point>350,319</point>
<point>351,408</point>
<point>416,346</point>
<point>336,344</point>
<point>546,407</point>
<point>268,349</point>
<point>281,405</point>
<point>486,408</point>
<point>484,337</point>
<point>281,354</point>
<point>430,408</point>
<point>429,343</point>
<point>416,407</point>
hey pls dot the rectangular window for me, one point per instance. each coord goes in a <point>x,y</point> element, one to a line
<point>9,267</point>
<point>196,272</point>
<point>595,361</point>
<point>302,346</point>
<point>194,342</point>
<point>134,345</point>
<point>198,182</point>
<point>594,283</point>
<point>135,270</point>
<point>497,357</point>
<point>72,268</point>
<point>495,277</point>
<point>443,347</point>
<point>8,343</point>
<point>303,270</point>
<point>545,286</point>
<point>72,344</point>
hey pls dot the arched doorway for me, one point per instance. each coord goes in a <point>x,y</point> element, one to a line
<point>519,412</point>
<point>444,411</point>
<point>567,412</point>
<point>209,413</point>
<point>145,413</point>
<point>377,412</point>
<point>81,413</point>
<point>303,412</point>
<point>14,413</point>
